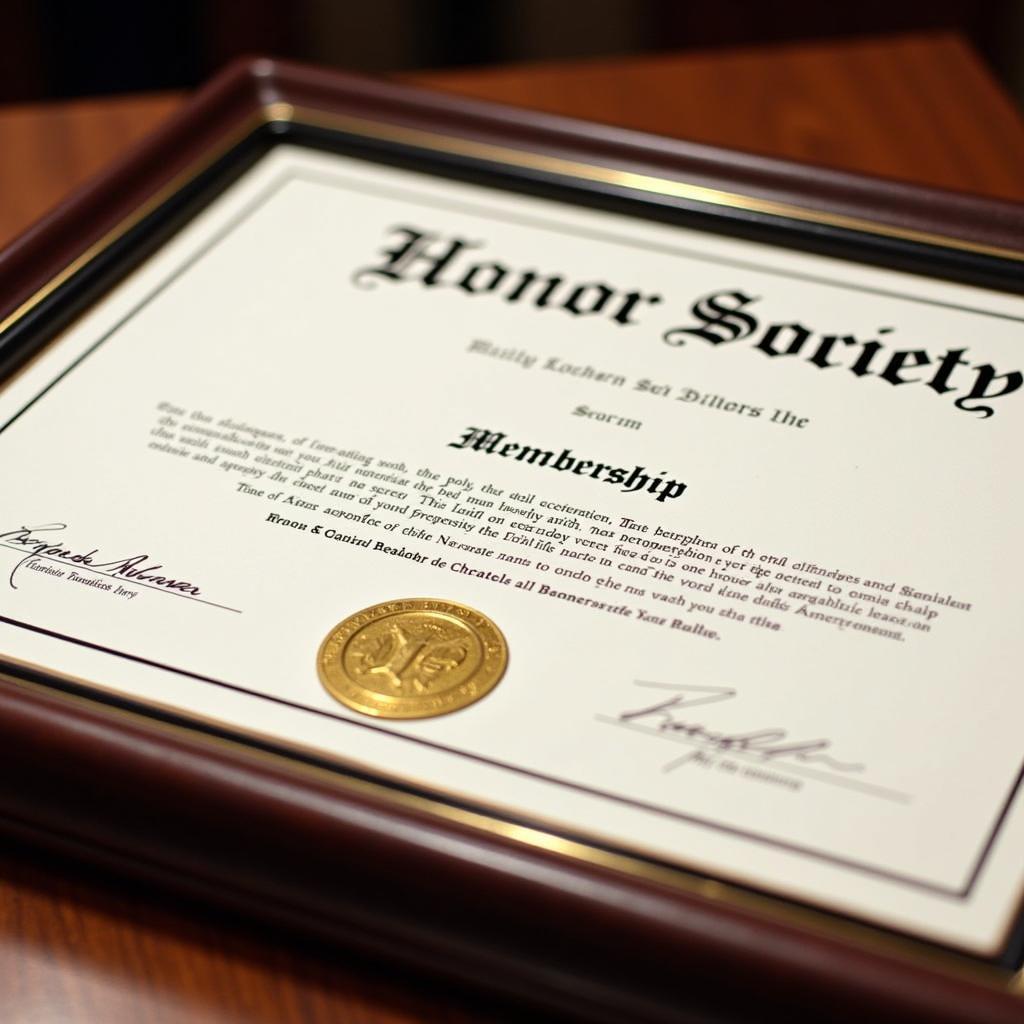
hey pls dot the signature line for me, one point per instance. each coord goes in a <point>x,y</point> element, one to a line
<point>126,581</point>
<point>863,787</point>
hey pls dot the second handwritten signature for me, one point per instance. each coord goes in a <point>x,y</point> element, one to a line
<point>673,715</point>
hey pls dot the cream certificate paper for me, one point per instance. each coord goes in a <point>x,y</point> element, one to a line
<point>748,519</point>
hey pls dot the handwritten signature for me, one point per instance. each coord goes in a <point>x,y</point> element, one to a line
<point>45,542</point>
<point>672,716</point>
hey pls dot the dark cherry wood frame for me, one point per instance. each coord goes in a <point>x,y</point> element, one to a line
<point>367,863</point>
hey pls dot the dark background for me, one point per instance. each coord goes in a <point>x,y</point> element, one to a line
<point>55,49</point>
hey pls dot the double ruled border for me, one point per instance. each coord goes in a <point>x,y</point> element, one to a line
<point>493,156</point>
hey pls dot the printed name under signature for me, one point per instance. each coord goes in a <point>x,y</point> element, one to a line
<point>671,715</point>
<point>39,542</point>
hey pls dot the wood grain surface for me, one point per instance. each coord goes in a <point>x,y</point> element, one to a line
<point>80,946</point>
<point>921,109</point>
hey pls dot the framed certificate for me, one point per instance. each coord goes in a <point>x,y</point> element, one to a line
<point>577,562</point>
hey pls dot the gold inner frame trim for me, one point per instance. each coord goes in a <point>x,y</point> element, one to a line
<point>681,878</point>
<point>631,180</point>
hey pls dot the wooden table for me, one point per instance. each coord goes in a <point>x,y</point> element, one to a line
<point>76,946</point>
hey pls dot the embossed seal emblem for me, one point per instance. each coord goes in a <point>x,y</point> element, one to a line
<point>413,658</point>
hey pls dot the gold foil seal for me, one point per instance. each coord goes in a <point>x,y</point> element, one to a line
<point>412,658</point>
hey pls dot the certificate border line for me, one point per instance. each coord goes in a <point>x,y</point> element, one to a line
<point>233,223</point>
<point>208,246</point>
<point>889,876</point>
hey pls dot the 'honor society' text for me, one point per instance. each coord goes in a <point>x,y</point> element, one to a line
<point>723,317</point>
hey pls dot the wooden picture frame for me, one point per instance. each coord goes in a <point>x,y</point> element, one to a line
<point>499,903</point>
